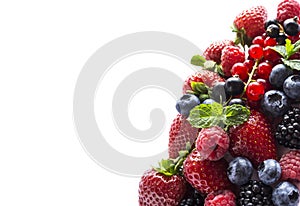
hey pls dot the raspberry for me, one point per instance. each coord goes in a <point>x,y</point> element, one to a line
<point>212,143</point>
<point>220,198</point>
<point>230,56</point>
<point>287,9</point>
<point>214,51</point>
<point>290,165</point>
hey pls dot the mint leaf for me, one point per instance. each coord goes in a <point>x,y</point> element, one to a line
<point>289,47</point>
<point>293,64</point>
<point>235,114</point>
<point>206,115</point>
<point>199,87</point>
<point>280,49</point>
<point>198,60</point>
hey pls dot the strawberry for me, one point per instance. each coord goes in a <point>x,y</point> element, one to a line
<point>287,9</point>
<point>220,198</point>
<point>204,175</point>
<point>213,51</point>
<point>158,189</point>
<point>251,21</point>
<point>290,165</point>
<point>205,76</point>
<point>230,56</point>
<point>253,139</point>
<point>181,132</point>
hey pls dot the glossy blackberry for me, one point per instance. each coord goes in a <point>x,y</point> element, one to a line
<point>255,193</point>
<point>288,131</point>
<point>192,198</point>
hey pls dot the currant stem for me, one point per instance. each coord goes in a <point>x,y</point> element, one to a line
<point>250,76</point>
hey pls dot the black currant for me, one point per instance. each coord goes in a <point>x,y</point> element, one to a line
<point>281,39</point>
<point>236,101</point>
<point>273,31</point>
<point>234,86</point>
<point>270,22</point>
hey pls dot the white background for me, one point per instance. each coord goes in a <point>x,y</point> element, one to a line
<point>43,46</point>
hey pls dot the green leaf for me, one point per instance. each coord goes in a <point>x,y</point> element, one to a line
<point>206,115</point>
<point>198,60</point>
<point>236,114</point>
<point>210,65</point>
<point>289,47</point>
<point>199,87</point>
<point>293,64</point>
<point>280,49</point>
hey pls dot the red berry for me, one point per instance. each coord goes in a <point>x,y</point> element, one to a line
<point>241,70</point>
<point>212,143</point>
<point>265,83</point>
<point>271,55</point>
<point>287,9</point>
<point>270,41</point>
<point>263,70</point>
<point>249,64</point>
<point>220,198</point>
<point>255,91</point>
<point>258,40</point>
<point>290,165</point>
<point>256,51</point>
<point>214,50</point>
<point>230,56</point>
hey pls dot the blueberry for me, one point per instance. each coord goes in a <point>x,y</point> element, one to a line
<point>278,74</point>
<point>234,86</point>
<point>186,103</point>
<point>218,92</point>
<point>286,194</point>
<point>291,86</point>
<point>291,27</point>
<point>236,101</point>
<point>275,103</point>
<point>208,101</point>
<point>240,170</point>
<point>269,171</point>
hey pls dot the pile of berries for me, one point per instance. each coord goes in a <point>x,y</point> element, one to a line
<point>236,139</point>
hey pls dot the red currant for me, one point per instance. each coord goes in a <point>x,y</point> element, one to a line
<point>270,41</point>
<point>241,70</point>
<point>258,40</point>
<point>265,83</point>
<point>271,55</point>
<point>256,51</point>
<point>264,69</point>
<point>255,91</point>
<point>249,64</point>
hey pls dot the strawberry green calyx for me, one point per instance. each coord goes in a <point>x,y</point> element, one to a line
<point>171,167</point>
<point>241,37</point>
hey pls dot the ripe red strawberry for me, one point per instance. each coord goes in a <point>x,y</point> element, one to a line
<point>204,175</point>
<point>230,56</point>
<point>180,133</point>
<point>205,76</point>
<point>252,21</point>
<point>253,139</point>
<point>220,198</point>
<point>288,9</point>
<point>212,143</point>
<point>290,165</point>
<point>161,190</point>
<point>214,51</point>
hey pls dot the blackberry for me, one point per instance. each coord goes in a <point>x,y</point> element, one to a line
<point>255,193</point>
<point>288,130</point>
<point>192,198</point>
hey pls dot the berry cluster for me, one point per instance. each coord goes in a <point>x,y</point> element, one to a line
<point>236,139</point>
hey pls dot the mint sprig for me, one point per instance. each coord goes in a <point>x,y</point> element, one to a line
<point>208,115</point>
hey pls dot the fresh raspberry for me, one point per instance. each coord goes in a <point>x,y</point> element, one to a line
<point>180,133</point>
<point>205,76</point>
<point>204,175</point>
<point>212,143</point>
<point>253,139</point>
<point>252,21</point>
<point>220,198</point>
<point>214,51</point>
<point>290,165</point>
<point>287,9</point>
<point>158,189</point>
<point>230,56</point>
